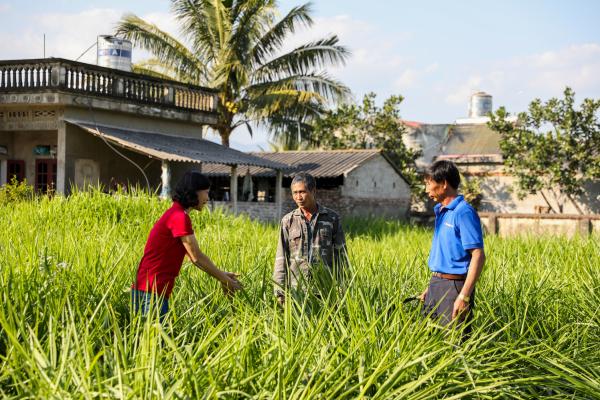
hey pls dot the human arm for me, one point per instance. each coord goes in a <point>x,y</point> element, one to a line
<point>228,280</point>
<point>471,236</point>
<point>475,268</point>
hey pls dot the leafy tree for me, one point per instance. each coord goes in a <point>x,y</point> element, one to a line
<point>236,48</point>
<point>470,188</point>
<point>552,149</point>
<point>365,126</point>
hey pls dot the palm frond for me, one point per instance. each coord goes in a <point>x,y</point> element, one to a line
<point>163,46</point>
<point>272,40</point>
<point>158,69</point>
<point>294,102</point>
<point>207,24</point>
<point>253,20</point>
<point>314,55</point>
<point>320,83</point>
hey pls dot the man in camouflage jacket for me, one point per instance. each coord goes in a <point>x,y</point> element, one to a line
<point>310,235</point>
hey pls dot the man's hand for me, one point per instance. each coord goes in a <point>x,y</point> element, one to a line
<point>229,282</point>
<point>423,295</point>
<point>460,308</point>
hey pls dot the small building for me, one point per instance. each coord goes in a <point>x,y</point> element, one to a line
<point>65,124</point>
<point>475,148</point>
<point>353,182</point>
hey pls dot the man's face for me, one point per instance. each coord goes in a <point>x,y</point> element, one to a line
<point>302,196</point>
<point>202,199</point>
<point>436,190</point>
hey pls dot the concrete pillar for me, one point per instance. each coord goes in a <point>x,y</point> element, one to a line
<point>118,88</point>
<point>165,177</point>
<point>279,193</point>
<point>61,158</point>
<point>3,171</point>
<point>233,189</point>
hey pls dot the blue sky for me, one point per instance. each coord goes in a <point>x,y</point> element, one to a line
<point>434,53</point>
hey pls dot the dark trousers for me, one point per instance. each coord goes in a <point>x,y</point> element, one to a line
<point>440,298</point>
<point>145,303</point>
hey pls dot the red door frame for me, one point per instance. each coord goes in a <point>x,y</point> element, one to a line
<point>21,175</point>
<point>50,174</point>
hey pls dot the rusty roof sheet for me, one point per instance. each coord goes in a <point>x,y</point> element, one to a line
<point>319,163</point>
<point>177,148</point>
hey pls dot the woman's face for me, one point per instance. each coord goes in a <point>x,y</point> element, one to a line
<point>202,199</point>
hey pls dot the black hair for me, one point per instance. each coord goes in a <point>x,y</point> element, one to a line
<point>444,170</point>
<point>307,179</point>
<point>185,190</point>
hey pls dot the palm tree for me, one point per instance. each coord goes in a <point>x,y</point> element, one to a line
<point>236,48</point>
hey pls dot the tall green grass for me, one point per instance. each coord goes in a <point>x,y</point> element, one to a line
<point>66,332</point>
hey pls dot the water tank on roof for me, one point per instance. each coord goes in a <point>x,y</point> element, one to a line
<point>480,105</point>
<point>114,52</point>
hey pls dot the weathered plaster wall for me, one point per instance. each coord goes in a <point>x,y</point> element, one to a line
<point>113,168</point>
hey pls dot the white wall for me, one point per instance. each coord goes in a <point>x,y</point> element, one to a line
<point>499,195</point>
<point>375,179</point>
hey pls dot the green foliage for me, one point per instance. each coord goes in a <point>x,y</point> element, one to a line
<point>367,125</point>
<point>553,148</point>
<point>15,191</point>
<point>471,189</point>
<point>236,47</point>
<point>66,332</point>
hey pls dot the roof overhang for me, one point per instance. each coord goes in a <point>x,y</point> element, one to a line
<point>175,148</point>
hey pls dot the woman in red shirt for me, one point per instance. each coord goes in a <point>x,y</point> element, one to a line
<point>170,239</point>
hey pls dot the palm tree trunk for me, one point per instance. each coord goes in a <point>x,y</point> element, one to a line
<point>225,133</point>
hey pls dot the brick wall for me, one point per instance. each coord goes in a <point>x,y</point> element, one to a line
<point>266,212</point>
<point>354,206</point>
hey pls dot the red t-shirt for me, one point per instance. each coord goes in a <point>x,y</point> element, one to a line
<point>164,252</point>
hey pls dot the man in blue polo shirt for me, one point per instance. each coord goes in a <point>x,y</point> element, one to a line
<point>456,257</point>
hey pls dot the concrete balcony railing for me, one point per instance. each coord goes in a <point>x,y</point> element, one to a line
<point>75,77</point>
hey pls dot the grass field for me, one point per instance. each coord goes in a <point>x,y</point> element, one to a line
<point>66,332</point>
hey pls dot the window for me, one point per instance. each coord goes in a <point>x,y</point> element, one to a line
<point>15,168</point>
<point>45,175</point>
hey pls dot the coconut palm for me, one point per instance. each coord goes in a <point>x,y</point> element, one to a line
<point>236,47</point>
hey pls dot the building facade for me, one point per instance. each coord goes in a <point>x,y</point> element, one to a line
<point>475,148</point>
<point>67,125</point>
<point>353,182</point>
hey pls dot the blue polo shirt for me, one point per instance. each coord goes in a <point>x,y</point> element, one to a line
<point>457,230</point>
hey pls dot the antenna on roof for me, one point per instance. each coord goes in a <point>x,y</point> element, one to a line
<point>88,49</point>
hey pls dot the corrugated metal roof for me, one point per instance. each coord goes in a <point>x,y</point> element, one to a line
<point>320,163</point>
<point>471,139</point>
<point>177,148</point>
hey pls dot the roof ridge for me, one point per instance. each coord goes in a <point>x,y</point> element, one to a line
<point>320,151</point>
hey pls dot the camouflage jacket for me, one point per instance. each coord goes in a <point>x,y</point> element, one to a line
<point>303,244</point>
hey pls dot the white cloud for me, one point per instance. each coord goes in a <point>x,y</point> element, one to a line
<point>165,22</point>
<point>374,52</point>
<point>67,34</point>
<point>411,77</point>
<point>461,94</point>
<point>517,81</point>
